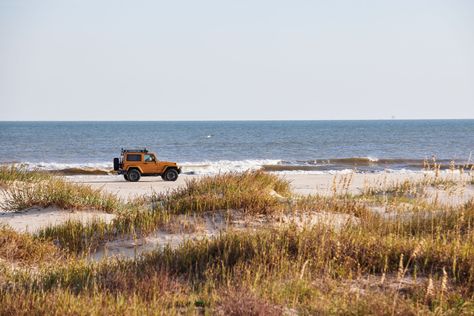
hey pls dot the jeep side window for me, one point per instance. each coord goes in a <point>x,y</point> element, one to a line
<point>149,158</point>
<point>134,157</point>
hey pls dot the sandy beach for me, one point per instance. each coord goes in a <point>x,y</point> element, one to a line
<point>301,184</point>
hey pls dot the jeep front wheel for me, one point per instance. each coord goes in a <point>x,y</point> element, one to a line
<point>133,175</point>
<point>170,175</point>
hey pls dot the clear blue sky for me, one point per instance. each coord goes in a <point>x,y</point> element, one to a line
<point>239,59</point>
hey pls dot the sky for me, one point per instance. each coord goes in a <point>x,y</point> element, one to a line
<point>236,59</point>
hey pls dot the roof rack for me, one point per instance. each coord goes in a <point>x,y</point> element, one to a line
<point>144,150</point>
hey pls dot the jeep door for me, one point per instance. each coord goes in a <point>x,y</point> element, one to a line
<point>150,165</point>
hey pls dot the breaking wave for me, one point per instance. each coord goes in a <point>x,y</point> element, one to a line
<point>319,166</point>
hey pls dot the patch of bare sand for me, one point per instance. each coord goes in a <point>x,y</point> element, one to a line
<point>116,184</point>
<point>303,184</point>
<point>33,220</point>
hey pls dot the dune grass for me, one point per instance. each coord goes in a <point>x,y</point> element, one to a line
<point>333,204</point>
<point>64,302</point>
<point>412,263</point>
<point>15,173</point>
<point>57,192</point>
<point>253,192</point>
<point>22,248</point>
<point>313,270</point>
<point>83,238</point>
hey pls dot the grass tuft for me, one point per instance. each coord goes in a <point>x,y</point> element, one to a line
<point>60,193</point>
<point>13,173</point>
<point>253,192</point>
<point>22,248</point>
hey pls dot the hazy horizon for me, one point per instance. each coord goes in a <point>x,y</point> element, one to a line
<point>248,120</point>
<point>227,61</point>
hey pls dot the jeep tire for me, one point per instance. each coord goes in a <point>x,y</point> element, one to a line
<point>170,175</point>
<point>133,175</point>
<point>125,176</point>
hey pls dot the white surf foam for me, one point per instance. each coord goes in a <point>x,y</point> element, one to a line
<point>61,166</point>
<point>199,167</point>
<point>222,166</point>
<point>209,167</point>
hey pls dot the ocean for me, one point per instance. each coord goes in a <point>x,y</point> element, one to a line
<point>207,147</point>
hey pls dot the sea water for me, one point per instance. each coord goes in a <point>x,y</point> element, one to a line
<point>220,146</point>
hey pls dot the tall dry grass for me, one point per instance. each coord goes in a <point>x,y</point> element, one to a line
<point>83,238</point>
<point>20,173</point>
<point>300,269</point>
<point>416,262</point>
<point>252,192</point>
<point>22,248</point>
<point>60,193</point>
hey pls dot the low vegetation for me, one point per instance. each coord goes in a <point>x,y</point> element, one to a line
<point>22,248</point>
<point>409,262</point>
<point>20,173</point>
<point>312,271</point>
<point>413,188</point>
<point>25,191</point>
<point>253,192</point>
<point>77,237</point>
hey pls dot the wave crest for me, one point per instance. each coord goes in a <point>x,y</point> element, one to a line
<point>358,164</point>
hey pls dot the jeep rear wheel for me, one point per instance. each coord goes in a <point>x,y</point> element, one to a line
<point>170,175</point>
<point>125,177</point>
<point>133,175</point>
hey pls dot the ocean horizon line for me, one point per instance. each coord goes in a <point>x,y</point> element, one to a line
<point>247,120</point>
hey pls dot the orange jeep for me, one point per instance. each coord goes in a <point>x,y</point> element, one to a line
<point>135,163</point>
